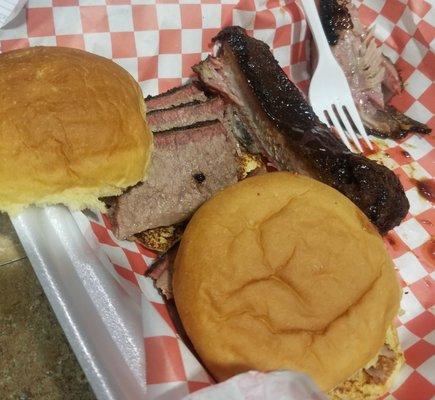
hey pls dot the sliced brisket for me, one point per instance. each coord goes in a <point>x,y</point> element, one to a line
<point>185,115</point>
<point>174,97</point>
<point>188,166</point>
<point>286,129</point>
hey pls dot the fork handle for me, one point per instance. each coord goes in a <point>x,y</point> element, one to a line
<point>313,19</point>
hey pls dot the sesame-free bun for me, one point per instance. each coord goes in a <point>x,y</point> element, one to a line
<point>280,271</point>
<point>72,129</point>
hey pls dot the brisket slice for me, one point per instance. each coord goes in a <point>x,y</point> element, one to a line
<point>287,130</point>
<point>188,166</point>
<point>185,115</point>
<point>174,97</point>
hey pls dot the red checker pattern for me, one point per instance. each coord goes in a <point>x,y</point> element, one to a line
<point>419,353</point>
<point>164,362</point>
<point>428,161</point>
<point>226,14</point>
<point>294,10</point>
<point>92,32</point>
<point>424,290</point>
<point>169,41</point>
<point>60,3</point>
<point>396,247</point>
<point>367,15</point>
<point>424,33</point>
<point>282,34</point>
<point>194,386</point>
<point>298,52</point>
<point>191,16</point>
<point>168,83</point>
<point>427,97</point>
<point>416,387</point>
<point>398,39</point>
<point>146,252</point>
<point>419,7</point>
<point>264,19</point>
<point>102,234</point>
<point>117,2</point>
<point>164,313</point>
<point>75,41</point>
<point>144,17</point>
<point>403,101</point>
<point>393,10</point>
<point>427,220</point>
<point>148,67</point>
<point>426,65</point>
<point>14,44</point>
<point>207,36</point>
<point>426,252</point>
<point>406,182</point>
<point>188,61</point>
<point>126,274</point>
<point>136,261</point>
<point>94,19</point>
<point>404,67</point>
<point>123,45</point>
<point>106,221</point>
<point>399,155</point>
<point>40,22</point>
<point>422,325</point>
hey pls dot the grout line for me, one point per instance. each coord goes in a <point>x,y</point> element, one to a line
<point>12,261</point>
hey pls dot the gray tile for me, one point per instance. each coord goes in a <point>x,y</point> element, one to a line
<point>36,361</point>
<point>10,246</point>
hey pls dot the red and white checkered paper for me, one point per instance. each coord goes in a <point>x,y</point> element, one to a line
<point>158,41</point>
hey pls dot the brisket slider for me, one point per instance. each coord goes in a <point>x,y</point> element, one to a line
<point>72,129</point>
<point>280,271</point>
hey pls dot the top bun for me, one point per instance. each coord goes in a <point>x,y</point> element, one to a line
<point>72,129</point>
<point>280,271</point>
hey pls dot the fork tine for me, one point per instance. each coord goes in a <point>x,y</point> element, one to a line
<point>353,114</point>
<point>338,128</point>
<point>349,129</point>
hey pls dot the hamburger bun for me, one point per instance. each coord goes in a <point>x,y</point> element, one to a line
<point>375,379</point>
<point>72,129</point>
<point>280,271</point>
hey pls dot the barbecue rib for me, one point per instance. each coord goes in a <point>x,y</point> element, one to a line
<point>372,77</point>
<point>181,177</point>
<point>287,131</point>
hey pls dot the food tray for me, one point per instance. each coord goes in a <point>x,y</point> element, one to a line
<point>114,319</point>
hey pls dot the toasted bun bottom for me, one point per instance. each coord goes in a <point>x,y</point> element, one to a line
<point>280,271</point>
<point>373,381</point>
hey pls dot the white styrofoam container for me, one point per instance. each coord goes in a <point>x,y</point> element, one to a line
<point>101,321</point>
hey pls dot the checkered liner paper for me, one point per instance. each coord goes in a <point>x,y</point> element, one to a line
<point>158,42</point>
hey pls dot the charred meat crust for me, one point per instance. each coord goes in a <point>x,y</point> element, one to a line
<point>276,93</point>
<point>401,124</point>
<point>184,94</point>
<point>186,114</point>
<point>173,90</point>
<point>372,187</point>
<point>335,18</point>
<point>406,124</point>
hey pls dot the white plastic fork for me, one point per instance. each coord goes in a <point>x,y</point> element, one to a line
<point>329,91</point>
